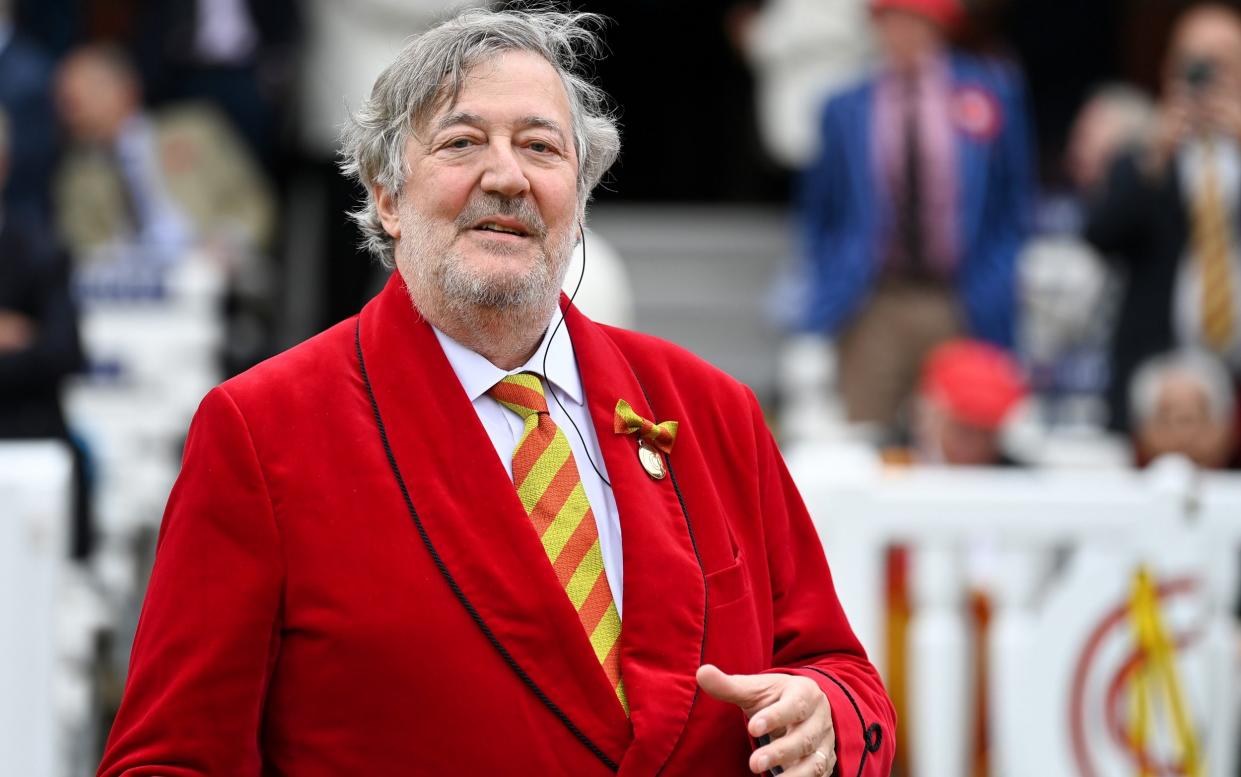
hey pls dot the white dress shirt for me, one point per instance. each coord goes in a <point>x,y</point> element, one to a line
<point>504,427</point>
<point>1187,296</point>
<point>161,223</point>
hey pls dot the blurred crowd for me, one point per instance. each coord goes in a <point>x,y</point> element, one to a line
<point>956,295</point>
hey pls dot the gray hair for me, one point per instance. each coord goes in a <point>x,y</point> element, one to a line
<point>1202,368</point>
<point>430,72</point>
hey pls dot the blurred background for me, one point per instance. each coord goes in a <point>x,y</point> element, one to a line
<point>979,262</point>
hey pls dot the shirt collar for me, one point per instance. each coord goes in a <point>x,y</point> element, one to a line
<point>132,138</point>
<point>1224,153</point>
<point>477,375</point>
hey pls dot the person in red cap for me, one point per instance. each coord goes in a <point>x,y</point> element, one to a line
<point>915,210</point>
<point>967,391</point>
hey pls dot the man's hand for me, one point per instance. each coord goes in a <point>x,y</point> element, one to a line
<point>1221,109</point>
<point>1173,124</point>
<point>792,709</point>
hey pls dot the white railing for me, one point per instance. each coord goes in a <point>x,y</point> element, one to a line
<point>154,343</point>
<point>35,482</point>
<point>1055,551</point>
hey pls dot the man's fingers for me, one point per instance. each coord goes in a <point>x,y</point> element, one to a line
<point>798,700</point>
<point>746,691</point>
<point>809,748</point>
<point>819,764</point>
<point>792,710</point>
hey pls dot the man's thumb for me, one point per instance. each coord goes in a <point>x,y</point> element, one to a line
<point>734,689</point>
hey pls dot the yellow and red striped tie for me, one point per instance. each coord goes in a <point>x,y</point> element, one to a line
<point>1213,242</point>
<point>550,488</point>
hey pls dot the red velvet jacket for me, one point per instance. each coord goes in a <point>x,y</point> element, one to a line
<point>347,584</point>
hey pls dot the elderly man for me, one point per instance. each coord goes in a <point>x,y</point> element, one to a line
<point>347,579</point>
<point>1183,402</point>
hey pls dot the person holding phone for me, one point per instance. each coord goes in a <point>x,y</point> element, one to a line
<point>1169,210</point>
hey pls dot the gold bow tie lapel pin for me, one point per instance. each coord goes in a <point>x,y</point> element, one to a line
<point>653,438</point>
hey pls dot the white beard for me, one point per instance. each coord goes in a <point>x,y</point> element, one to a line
<point>431,265</point>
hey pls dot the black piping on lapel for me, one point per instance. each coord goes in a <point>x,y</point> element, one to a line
<point>452,583</point>
<point>693,541</point>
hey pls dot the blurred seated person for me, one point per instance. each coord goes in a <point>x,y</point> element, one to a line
<point>161,182</point>
<point>1184,402</point>
<point>914,211</point>
<point>967,391</point>
<point>1168,213</point>
<point>39,343</point>
<point>1068,292</point>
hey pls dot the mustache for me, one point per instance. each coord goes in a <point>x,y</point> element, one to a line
<point>519,208</point>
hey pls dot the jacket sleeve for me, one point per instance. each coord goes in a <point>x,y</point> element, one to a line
<point>210,626</point>
<point>990,286</point>
<point>812,636</point>
<point>1018,158</point>
<point>241,199</point>
<point>834,238</point>
<point>1121,209</point>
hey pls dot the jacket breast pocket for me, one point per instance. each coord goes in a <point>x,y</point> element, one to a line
<point>727,585</point>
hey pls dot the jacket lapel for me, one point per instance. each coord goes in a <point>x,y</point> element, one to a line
<point>473,519</point>
<point>971,163</point>
<point>664,593</point>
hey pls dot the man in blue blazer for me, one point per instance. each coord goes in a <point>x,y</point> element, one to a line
<point>916,207</point>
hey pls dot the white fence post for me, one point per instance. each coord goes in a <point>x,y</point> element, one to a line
<point>939,663</point>
<point>1220,519</point>
<point>35,502</point>
<point>1010,639</point>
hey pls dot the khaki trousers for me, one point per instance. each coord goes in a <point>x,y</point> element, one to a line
<point>881,352</point>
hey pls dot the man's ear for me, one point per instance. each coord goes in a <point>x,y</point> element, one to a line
<point>387,203</point>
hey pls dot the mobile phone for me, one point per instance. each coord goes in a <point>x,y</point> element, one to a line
<point>763,741</point>
<point>1198,74</point>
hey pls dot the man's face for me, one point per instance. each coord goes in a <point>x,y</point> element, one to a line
<point>1183,424</point>
<point>908,40</point>
<point>945,439</point>
<point>93,102</point>
<point>967,445</point>
<point>487,216</point>
<point>1206,54</point>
